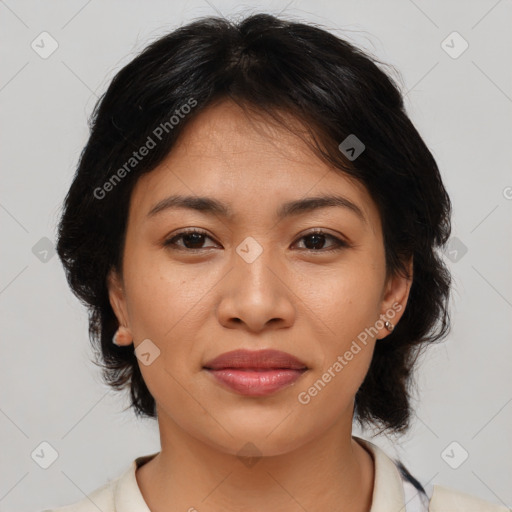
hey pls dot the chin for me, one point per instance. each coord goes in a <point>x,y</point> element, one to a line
<point>259,434</point>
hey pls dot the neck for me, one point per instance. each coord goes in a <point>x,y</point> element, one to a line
<point>332,472</point>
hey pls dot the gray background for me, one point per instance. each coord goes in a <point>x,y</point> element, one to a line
<point>462,106</point>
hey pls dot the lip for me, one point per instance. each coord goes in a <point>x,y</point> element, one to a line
<point>256,373</point>
<point>255,360</point>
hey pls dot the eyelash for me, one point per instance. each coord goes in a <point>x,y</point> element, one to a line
<point>338,243</point>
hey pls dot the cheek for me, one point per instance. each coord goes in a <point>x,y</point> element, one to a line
<point>329,391</point>
<point>348,303</point>
<point>167,305</point>
<point>347,298</point>
<point>161,295</point>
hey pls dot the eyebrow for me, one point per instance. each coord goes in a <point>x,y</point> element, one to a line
<point>212,206</point>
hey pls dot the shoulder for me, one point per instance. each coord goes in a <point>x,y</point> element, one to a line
<point>445,499</point>
<point>396,489</point>
<point>100,499</point>
<point>121,494</point>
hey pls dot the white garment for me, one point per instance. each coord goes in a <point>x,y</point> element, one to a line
<point>393,491</point>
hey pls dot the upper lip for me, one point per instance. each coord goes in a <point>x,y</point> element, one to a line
<point>259,359</point>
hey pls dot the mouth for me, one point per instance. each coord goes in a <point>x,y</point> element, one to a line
<point>255,360</point>
<point>256,373</point>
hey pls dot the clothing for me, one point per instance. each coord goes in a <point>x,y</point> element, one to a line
<point>395,490</point>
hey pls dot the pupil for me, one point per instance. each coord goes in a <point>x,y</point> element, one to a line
<point>317,239</point>
<point>196,239</point>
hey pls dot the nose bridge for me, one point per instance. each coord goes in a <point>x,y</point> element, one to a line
<point>253,265</point>
<point>253,293</point>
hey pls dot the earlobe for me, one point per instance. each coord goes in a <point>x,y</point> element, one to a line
<point>122,337</point>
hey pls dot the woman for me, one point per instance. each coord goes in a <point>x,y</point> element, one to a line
<point>254,225</point>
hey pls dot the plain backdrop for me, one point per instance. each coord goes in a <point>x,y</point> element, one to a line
<point>459,98</point>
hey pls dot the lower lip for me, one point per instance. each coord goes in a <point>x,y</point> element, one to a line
<point>256,383</point>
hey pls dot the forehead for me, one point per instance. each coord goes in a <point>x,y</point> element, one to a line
<point>232,155</point>
<point>227,133</point>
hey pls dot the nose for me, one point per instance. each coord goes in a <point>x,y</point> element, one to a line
<point>255,295</point>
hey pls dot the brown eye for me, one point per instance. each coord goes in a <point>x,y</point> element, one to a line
<point>192,240</point>
<point>316,241</point>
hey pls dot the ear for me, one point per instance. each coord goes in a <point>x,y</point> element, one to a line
<point>117,300</point>
<point>394,299</point>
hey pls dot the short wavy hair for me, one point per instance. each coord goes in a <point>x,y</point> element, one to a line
<point>273,67</point>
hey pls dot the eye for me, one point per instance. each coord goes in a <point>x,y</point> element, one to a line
<point>192,239</point>
<point>317,239</point>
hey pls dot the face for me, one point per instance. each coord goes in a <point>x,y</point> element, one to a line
<point>309,281</point>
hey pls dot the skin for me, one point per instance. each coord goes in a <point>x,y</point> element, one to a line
<point>295,296</point>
